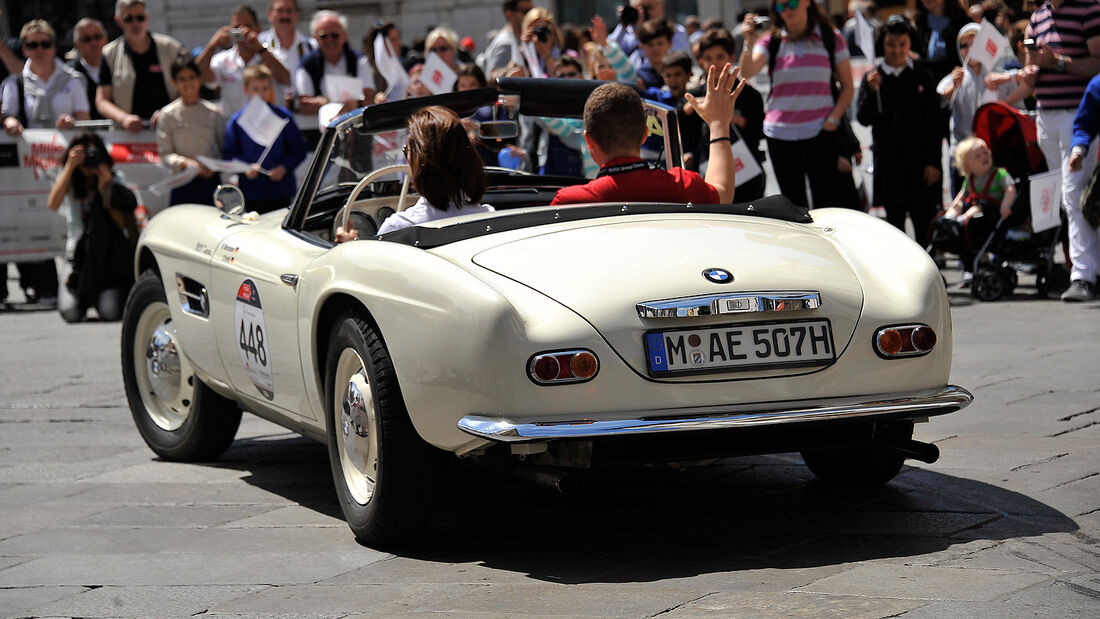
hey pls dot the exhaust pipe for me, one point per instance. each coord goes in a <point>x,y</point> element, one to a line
<point>925,452</point>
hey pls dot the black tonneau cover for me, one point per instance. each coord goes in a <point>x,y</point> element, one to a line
<point>772,207</point>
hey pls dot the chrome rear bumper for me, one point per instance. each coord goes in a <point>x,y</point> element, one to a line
<point>946,400</point>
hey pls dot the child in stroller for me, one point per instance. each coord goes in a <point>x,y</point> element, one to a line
<point>997,245</point>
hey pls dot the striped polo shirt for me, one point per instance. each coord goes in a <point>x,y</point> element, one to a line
<point>802,96</point>
<point>1066,31</point>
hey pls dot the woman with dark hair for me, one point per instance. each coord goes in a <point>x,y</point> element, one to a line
<point>938,23</point>
<point>806,57</point>
<point>446,172</point>
<point>383,48</point>
<point>99,267</point>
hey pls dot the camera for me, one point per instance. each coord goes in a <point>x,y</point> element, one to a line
<point>542,33</point>
<point>762,22</point>
<point>628,15</point>
<point>236,34</point>
<point>1031,44</point>
<point>94,157</point>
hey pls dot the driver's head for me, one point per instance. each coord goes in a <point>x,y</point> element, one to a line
<point>614,120</point>
<point>446,169</point>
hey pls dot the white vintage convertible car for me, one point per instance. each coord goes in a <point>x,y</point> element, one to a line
<point>544,340</point>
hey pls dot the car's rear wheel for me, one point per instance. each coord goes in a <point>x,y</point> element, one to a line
<point>379,463</point>
<point>179,417</point>
<point>861,466</point>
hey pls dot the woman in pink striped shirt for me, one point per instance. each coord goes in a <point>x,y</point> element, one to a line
<point>805,106</point>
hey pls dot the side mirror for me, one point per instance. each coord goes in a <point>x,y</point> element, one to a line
<point>498,130</point>
<point>229,199</point>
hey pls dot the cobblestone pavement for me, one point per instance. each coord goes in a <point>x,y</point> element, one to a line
<point>1006,524</point>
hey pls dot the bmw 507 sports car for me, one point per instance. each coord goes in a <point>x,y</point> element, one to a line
<point>545,339</point>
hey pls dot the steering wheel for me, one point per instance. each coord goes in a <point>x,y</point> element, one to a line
<point>342,216</point>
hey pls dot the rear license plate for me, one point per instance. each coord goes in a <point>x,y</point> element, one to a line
<point>731,348</point>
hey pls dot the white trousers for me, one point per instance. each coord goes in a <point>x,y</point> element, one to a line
<point>1055,138</point>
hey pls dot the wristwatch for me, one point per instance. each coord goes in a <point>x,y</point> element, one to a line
<point>1060,63</point>
<point>835,121</point>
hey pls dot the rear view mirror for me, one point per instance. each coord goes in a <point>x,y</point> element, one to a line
<point>229,199</point>
<point>498,130</point>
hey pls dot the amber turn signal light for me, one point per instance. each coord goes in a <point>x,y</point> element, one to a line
<point>904,341</point>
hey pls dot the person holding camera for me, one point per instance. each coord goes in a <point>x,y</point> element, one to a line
<point>631,18</point>
<point>99,250</point>
<point>137,85</point>
<point>540,29</point>
<point>229,52</point>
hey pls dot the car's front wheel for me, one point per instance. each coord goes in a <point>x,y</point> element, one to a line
<point>861,466</point>
<point>379,463</point>
<point>179,417</point>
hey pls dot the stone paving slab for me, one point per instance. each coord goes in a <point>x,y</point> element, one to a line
<point>162,601</point>
<point>793,604</point>
<point>913,582</point>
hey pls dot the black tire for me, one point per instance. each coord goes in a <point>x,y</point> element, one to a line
<point>369,430</point>
<point>190,423</point>
<point>860,466</point>
<point>987,286</point>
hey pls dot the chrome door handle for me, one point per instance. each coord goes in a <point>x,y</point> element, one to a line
<point>290,278</point>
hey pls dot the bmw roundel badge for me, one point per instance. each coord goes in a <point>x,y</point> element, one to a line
<point>718,276</point>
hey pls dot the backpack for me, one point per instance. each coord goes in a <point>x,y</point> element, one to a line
<point>828,39</point>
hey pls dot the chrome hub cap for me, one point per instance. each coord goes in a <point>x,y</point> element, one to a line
<point>162,363</point>
<point>164,376</point>
<point>357,426</point>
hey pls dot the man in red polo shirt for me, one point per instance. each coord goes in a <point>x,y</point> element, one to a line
<point>614,129</point>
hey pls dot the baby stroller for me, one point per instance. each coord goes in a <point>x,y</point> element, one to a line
<point>1013,248</point>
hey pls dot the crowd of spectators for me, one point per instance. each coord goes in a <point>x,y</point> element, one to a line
<point>922,94</point>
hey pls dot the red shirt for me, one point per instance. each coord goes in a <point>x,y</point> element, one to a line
<point>640,185</point>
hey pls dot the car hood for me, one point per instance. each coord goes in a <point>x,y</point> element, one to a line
<point>603,270</point>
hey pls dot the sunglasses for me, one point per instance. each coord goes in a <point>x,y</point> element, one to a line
<point>324,36</point>
<point>32,45</point>
<point>90,38</point>
<point>789,5</point>
<point>127,18</point>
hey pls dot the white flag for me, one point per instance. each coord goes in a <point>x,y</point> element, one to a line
<point>532,58</point>
<point>437,76</point>
<point>988,46</point>
<point>397,80</point>
<point>341,88</point>
<point>1046,200</point>
<point>260,123</point>
<point>865,36</point>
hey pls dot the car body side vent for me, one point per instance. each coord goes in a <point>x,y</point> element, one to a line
<point>193,297</point>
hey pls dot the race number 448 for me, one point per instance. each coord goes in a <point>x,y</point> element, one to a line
<point>252,345</point>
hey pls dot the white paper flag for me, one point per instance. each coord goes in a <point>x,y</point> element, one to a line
<point>745,165</point>
<point>865,36</point>
<point>1046,200</point>
<point>385,59</point>
<point>235,166</point>
<point>327,112</point>
<point>532,58</point>
<point>988,46</point>
<point>260,123</point>
<point>437,76</point>
<point>342,88</point>
<point>176,180</point>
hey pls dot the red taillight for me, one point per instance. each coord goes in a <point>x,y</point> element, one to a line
<point>904,341</point>
<point>567,366</point>
<point>924,339</point>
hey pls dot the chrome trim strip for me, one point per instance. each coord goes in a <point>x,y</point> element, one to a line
<point>737,303</point>
<point>947,400</point>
